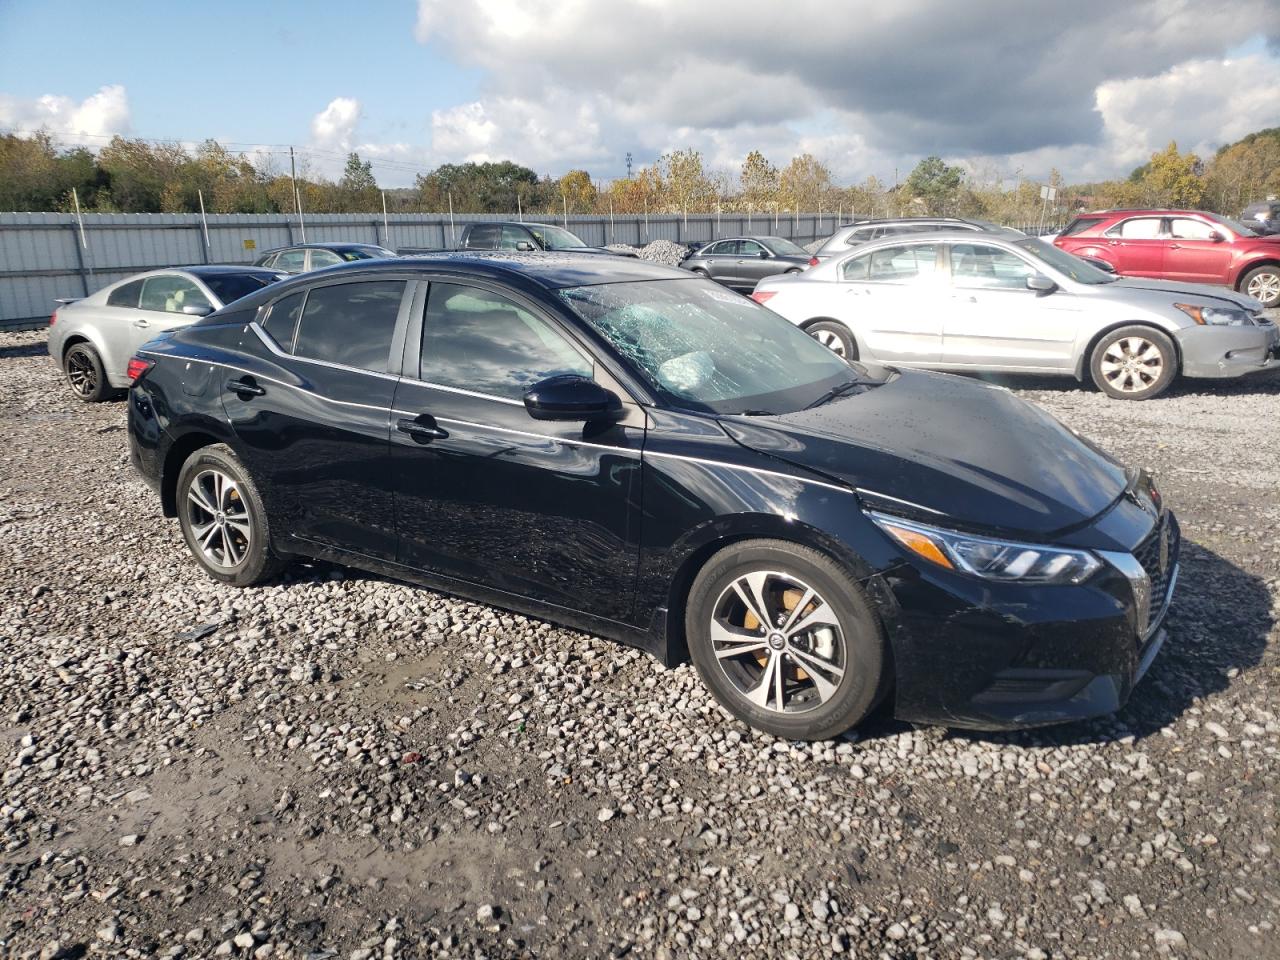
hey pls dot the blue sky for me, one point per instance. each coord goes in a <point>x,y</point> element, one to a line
<point>559,84</point>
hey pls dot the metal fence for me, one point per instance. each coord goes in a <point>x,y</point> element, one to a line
<point>45,256</point>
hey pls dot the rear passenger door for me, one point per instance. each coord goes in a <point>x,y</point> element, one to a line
<point>311,409</point>
<point>1138,246</point>
<point>486,494</point>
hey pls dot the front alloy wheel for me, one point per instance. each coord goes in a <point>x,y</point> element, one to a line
<point>1134,363</point>
<point>778,642</point>
<point>1264,284</point>
<point>785,639</point>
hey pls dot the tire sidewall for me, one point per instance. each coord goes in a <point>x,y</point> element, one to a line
<point>1158,337</point>
<point>260,563</point>
<point>865,661</point>
<point>841,331</point>
<point>103,389</point>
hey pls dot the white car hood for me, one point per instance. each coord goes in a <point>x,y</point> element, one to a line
<point>1200,291</point>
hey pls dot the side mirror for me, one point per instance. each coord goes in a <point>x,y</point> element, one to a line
<point>197,309</point>
<point>763,255</point>
<point>525,246</point>
<point>1041,284</point>
<point>1217,237</point>
<point>568,396</point>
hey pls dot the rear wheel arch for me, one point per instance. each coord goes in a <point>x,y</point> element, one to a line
<point>177,455</point>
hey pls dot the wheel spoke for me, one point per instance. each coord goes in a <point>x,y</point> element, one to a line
<point>822,616</point>
<point>819,671</point>
<point>242,525</point>
<point>759,694</point>
<point>233,554</point>
<point>197,496</point>
<point>799,608</point>
<point>750,590</point>
<point>206,539</point>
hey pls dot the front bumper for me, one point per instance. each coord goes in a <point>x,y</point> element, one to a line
<point>1000,656</point>
<point>1225,352</point>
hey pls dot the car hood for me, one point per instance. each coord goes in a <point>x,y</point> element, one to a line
<point>970,454</point>
<point>1200,291</point>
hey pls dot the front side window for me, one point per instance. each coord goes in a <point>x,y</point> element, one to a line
<point>749,248</point>
<point>785,248</point>
<point>977,266</point>
<point>170,294</point>
<point>704,348</point>
<point>1184,228</point>
<point>349,323</point>
<point>291,261</point>
<point>324,258</point>
<point>1139,228</point>
<point>902,264</point>
<point>474,339</point>
<point>554,238</point>
<point>125,295</point>
<point>512,237</point>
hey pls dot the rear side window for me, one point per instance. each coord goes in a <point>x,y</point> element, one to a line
<point>324,258</point>
<point>350,323</point>
<point>282,321</point>
<point>477,340</point>
<point>291,261</point>
<point>170,294</point>
<point>902,264</point>
<point>1080,225</point>
<point>484,237</point>
<point>126,295</point>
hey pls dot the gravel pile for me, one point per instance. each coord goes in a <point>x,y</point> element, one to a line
<point>664,251</point>
<point>343,766</point>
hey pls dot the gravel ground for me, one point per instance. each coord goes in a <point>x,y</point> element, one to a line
<point>343,766</point>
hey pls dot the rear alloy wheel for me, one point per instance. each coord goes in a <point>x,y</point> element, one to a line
<point>223,519</point>
<point>1134,363</point>
<point>785,639</point>
<point>1263,283</point>
<point>835,337</point>
<point>85,375</point>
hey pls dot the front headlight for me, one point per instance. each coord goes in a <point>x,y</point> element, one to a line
<point>986,557</point>
<point>1215,316</point>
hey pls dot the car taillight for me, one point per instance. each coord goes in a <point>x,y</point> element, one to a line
<point>53,318</point>
<point>813,261</point>
<point>137,367</point>
<point>763,296</point>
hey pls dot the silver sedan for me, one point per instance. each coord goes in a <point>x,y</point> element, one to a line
<point>956,301</point>
<point>92,339</point>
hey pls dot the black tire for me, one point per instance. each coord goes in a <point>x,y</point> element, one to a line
<point>1266,281</point>
<point>1134,363</point>
<point>856,644</point>
<point>835,336</point>
<point>700,272</point>
<point>792,272</point>
<point>85,374</point>
<point>242,538</point>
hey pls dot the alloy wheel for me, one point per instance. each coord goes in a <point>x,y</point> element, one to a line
<point>81,373</point>
<point>830,340</point>
<point>1265,287</point>
<point>778,642</point>
<point>1132,364</point>
<point>219,518</point>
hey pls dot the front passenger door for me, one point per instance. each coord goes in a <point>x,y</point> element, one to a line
<point>893,299</point>
<point>486,494</point>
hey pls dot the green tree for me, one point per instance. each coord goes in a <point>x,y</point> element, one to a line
<point>935,185</point>
<point>358,187</point>
<point>482,188</point>
<point>1171,179</point>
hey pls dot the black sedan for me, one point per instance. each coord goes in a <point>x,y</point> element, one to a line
<point>632,451</point>
<point>742,262</point>
<point>305,257</point>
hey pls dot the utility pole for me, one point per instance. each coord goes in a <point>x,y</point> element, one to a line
<point>628,164</point>
<point>297,197</point>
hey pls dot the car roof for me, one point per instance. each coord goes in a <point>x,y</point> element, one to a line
<point>222,269</point>
<point>339,245</point>
<point>1145,212</point>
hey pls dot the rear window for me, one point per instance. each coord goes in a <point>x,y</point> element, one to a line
<point>228,287</point>
<point>1080,225</point>
<point>350,323</point>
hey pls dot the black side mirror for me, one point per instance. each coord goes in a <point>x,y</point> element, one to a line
<point>568,396</point>
<point>1216,237</point>
<point>763,254</point>
<point>1041,284</point>
<point>197,309</point>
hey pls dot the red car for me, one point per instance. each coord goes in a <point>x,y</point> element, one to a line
<point>1184,245</point>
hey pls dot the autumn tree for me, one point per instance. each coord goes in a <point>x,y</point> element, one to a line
<point>577,192</point>
<point>1170,179</point>
<point>757,183</point>
<point>685,185</point>
<point>804,183</point>
<point>1243,172</point>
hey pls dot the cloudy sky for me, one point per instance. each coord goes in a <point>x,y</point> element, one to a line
<point>1091,87</point>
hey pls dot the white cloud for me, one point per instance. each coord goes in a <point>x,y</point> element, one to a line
<point>335,125</point>
<point>103,114</point>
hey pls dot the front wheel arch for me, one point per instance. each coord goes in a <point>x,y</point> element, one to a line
<point>853,339</point>
<point>1249,268</point>
<point>1082,361</point>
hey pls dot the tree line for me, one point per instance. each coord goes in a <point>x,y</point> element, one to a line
<point>137,176</point>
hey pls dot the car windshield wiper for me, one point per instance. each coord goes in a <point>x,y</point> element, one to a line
<point>755,413</point>
<point>837,391</point>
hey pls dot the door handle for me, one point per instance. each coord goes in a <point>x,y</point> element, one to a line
<point>1175,246</point>
<point>244,388</point>
<point>141,323</point>
<point>963,298</point>
<point>421,432</point>
<point>1113,243</point>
